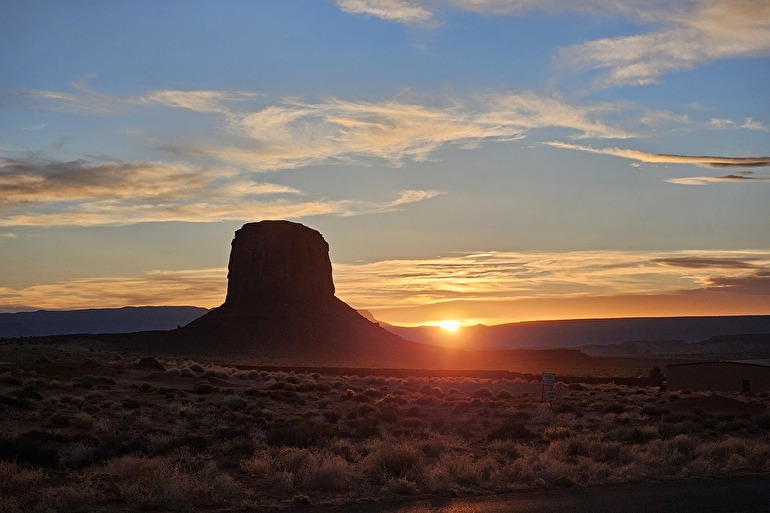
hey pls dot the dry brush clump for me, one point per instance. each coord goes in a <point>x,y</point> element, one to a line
<point>199,435</point>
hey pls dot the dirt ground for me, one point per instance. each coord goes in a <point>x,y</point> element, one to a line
<point>83,428</point>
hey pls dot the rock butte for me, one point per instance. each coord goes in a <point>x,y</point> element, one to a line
<point>281,309</point>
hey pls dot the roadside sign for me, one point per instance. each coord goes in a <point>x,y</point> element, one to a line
<point>549,380</point>
<point>551,395</point>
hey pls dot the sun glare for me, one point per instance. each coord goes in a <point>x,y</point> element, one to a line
<point>449,325</point>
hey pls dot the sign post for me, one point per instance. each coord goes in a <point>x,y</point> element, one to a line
<point>549,380</point>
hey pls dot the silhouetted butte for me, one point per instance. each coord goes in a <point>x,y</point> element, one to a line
<point>281,308</point>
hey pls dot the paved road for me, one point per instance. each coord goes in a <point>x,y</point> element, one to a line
<point>732,495</point>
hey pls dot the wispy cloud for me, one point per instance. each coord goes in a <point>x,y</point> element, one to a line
<point>34,128</point>
<point>686,34</point>
<point>691,34</point>
<point>200,100</point>
<point>511,275</point>
<point>662,158</point>
<point>747,124</point>
<point>701,262</point>
<point>249,129</point>
<point>200,287</point>
<point>480,286</point>
<point>399,11</point>
<point>291,133</point>
<point>45,193</point>
<point>83,100</point>
<point>35,181</point>
<point>744,177</point>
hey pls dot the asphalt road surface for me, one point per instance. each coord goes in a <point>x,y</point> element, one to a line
<point>731,495</point>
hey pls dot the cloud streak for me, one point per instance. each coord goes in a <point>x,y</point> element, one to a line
<point>691,34</point>
<point>205,287</point>
<point>688,34</point>
<point>291,133</point>
<point>45,193</point>
<point>745,177</point>
<point>251,130</point>
<point>398,11</point>
<point>478,287</point>
<point>663,158</point>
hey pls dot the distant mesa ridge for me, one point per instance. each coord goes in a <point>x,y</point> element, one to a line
<point>127,319</point>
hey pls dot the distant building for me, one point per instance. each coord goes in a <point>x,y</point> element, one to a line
<point>736,376</point>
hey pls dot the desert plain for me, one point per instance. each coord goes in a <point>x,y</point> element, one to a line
<point>91,429</point>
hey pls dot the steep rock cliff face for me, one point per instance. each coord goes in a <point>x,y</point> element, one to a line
<point>275,263</point>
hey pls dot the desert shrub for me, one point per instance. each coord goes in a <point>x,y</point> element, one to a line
<point>482,392</point>
<point>436,392</point>
<point>344,449</point>
<point>235,404</point>
<point>301,434</point>
<point>388,413</point>
<point>425,401</point>
<point>670,430</point>
<point>78,455</point>
<point>633,434</point>
<point>511,431</point>
<point>83,421</point>
<point>614,408</point>
<point>7,379</point>
<point>16,402</point>
<point>325,471</point>
<point>364,427</point>
<point>654,411</point>
<point>402,486</point>
<point>503,450</point>
<point>433,448</point>
<point>762,421</point>
<point>373,393</point>
<point>27,392</point>
<point>259,464</point>
<point>413,411</point>
<point>366,409</point>
<point>116,447</point>
<point>155,483</point>
<point>609,451</point>
<point>387,461</point>
<point>131,404</point>
<point>461,470</point>
<point>286,396</point>
<point>556,432</point>
<point>28,451</point>
<point>204,388</point>
<point>413,423</point>
<point>18,487</point>
<point>504,394</point>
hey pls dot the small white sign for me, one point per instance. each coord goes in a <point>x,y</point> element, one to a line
<point>549,379</point>
<point>551,395</point>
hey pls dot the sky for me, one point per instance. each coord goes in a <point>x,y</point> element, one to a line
<point>484,161</point>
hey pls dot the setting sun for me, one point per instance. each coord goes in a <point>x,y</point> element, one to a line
<point>449,325</point>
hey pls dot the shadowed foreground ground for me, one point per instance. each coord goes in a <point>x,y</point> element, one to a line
<point>727,495</point>
<point>89,430</point>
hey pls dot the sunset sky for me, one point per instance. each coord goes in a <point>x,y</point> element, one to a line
<point>473,160</point>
